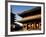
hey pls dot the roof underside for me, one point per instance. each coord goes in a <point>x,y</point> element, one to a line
<point>30,18</point>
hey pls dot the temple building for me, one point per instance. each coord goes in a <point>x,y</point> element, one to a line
<point>31,19</point>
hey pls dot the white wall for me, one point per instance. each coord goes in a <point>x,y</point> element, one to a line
<point>2,18</point>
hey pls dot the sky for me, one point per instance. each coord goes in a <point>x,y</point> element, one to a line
<point>19,9</point>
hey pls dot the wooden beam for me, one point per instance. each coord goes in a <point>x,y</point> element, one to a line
<point>30,18</point>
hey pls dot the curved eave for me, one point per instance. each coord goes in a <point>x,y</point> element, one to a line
<point>34,11</point>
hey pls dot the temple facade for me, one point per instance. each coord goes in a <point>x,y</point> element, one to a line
<point>31,19</point>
